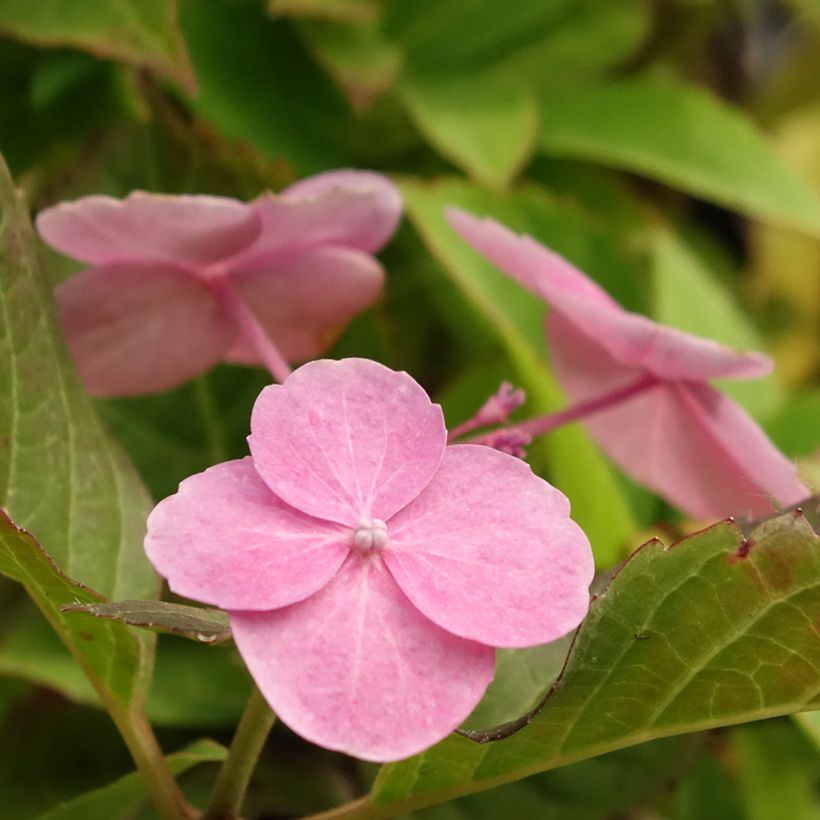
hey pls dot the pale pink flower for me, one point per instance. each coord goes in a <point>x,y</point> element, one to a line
<point>175,282</point>
<point>676,434</point>
<point>368,569</point>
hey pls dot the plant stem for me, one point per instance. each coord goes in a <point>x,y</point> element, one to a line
<point>544,424</point>
<point>217,449</point>
<point>232,783</point>
<point>255,333</point>
<point>150,761</point>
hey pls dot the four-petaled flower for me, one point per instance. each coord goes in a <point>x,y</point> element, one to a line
<point>368,569</point>
<point>173,278</point>
<point>679,436</point>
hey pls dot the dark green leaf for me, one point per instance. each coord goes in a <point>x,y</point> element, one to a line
<point>195,623</point>
<point>258,86</point>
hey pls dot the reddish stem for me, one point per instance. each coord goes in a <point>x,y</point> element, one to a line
<point>546,423</point>
<point>255,333</point>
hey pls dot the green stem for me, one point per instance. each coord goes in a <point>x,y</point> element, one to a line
<point>236,772</point>
<point>217,449</point>
<point>150,761</point>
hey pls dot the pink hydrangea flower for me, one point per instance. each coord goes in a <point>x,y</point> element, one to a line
<point>175,282</point>
<point>677,434</point>
<point>368,569</point>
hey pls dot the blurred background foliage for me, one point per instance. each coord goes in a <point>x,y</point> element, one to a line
<point>671,148</point>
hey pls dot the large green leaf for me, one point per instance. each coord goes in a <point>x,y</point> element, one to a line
<point>110,654</point>
<point>597,789</point>
<point>141,32</point>
<point>475,96</point>
<point>192,685</point>
<point>684,137</point>
<point>61,477</point>
<point>120,799</point>
<point>514,318</point>
<point>485,122</point>
<point>713,631</point>
<point>540,37</point>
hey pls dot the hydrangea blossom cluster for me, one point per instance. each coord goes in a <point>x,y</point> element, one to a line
<point>177,284</point>
<point>666,425</point>
<point>369,570</point>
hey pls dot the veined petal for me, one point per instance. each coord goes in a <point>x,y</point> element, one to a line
<point>488,551</point>
<point>358,669</point>
<point>141,327</point>
<point>633,340</point>
<point>348,439</point>
<point>354,209</point>
<point>224,538</point>
<point>304,299</point>
<point>683,439</point>
<point>144,226</point>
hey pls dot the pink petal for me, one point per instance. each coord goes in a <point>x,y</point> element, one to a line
<point>356,668</point>
<point>488,551</point>
<point>355,209</point>
<point>346,440</point>
<point>224,538</point>
<point>144,226</point>
<point>684,440</point>
<point>542,271</point>
<point>376,204</point>
<point>304,300</point>
<point>630,338</point>
<point>141,327</point>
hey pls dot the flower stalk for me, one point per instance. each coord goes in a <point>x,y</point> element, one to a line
<point>232,783</point>
<point>550,421</point>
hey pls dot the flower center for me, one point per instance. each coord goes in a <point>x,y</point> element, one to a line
<point>370,534</point>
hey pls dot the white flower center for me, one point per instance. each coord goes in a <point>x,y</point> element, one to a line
<point>370,534</point>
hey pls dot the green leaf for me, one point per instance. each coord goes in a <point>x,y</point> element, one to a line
<point>794,429</point>
<point>687,297</point>
<point>138,32</point>
<point>713,631</point>
<point>360,61</point>
<point>522,676</point>
<point>61,477</point>
<point>683,137</point>
<point>192,686</point>
<point>108,652</point>
<point>201,624</point>
<point>514,317</point>
<point>259,87</point>
<point>709,793</point>
<point>777,771</point>
<point>120,799</point>
<point>597,789</point>
<point>338,11</point>
<point>462,36</point>
<point>484,122</point>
